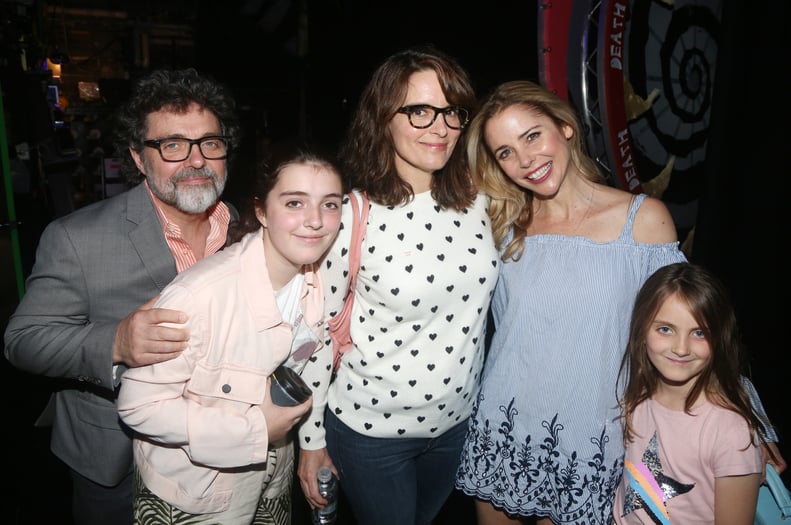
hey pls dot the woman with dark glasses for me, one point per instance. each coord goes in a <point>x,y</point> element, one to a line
<point>397,410</point>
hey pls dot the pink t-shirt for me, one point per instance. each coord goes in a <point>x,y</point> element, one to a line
<point>671,465</point>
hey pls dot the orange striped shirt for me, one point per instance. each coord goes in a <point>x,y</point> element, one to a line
<point>219,219</point>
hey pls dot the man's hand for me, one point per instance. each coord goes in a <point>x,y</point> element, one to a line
<point>141,339</point>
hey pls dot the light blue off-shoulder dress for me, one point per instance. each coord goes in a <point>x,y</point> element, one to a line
<point>543,438</point>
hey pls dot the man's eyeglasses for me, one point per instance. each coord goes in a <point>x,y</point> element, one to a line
<point>422,116</point>
<point>178,149</point>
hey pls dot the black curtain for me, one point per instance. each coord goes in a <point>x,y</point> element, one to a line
<point>743,222</point>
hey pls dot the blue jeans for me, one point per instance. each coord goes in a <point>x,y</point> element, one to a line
<point>394,481</point>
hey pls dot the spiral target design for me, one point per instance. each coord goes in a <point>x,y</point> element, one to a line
<point>673,50</point>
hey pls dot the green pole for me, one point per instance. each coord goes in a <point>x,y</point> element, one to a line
<point>9,196</point>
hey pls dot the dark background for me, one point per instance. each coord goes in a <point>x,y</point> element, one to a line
<point>289,85</point>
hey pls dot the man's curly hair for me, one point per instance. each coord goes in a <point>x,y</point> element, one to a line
<point>175,91</point>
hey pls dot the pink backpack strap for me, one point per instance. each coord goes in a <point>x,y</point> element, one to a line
<point>340,324</point>
<point>360,215</point>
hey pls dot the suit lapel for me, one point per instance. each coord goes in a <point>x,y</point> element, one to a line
<point>147,238</point>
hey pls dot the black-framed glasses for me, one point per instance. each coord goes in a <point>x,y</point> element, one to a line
<point>422,116</point>
<point>178,149</point>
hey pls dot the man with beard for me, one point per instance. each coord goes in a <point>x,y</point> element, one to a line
<point>86,315</point>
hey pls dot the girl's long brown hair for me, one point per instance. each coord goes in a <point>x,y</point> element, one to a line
<point>709,303</point>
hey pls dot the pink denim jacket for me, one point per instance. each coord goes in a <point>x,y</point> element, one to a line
<point>198,415</point>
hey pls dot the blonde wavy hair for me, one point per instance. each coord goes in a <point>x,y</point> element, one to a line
<point>511,207</point>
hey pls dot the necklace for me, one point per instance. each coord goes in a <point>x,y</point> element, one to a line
<point>587,210</point>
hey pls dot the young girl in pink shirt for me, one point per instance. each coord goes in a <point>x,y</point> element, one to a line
<point>692,438</point>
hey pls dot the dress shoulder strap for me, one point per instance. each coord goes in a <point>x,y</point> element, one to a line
<point>634,205</point>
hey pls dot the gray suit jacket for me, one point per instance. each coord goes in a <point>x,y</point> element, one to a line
<point>93,267</point>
